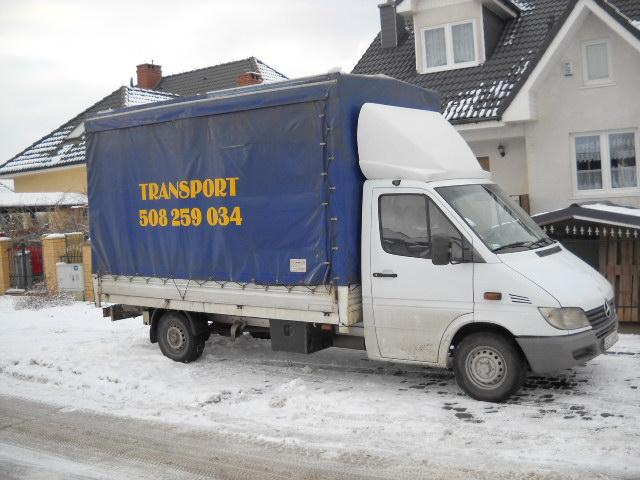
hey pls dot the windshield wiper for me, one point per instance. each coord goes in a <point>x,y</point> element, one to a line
<point>543,242</point>
<point>511,245</point>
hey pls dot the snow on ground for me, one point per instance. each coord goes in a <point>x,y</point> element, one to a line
<point>336,404</point>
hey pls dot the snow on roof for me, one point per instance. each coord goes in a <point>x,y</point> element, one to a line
<point>603,207</point>
<point>604,213</point>
<point>6,186</point>
<point>483,92</point>
<point>41,199</point>
<point>62,148</point>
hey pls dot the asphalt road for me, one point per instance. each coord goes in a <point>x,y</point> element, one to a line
<point>40,441</point>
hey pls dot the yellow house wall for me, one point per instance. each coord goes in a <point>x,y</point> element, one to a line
<point>65,180</point>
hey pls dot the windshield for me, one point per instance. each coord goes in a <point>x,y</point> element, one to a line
<point>501,224</point>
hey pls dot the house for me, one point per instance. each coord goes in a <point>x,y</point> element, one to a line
<point>547,94</point>
<point>56,162</point>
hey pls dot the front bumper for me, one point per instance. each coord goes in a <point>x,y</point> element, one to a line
<point>550,354</point>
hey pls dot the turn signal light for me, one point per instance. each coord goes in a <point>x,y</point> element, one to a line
<point>492,296</point>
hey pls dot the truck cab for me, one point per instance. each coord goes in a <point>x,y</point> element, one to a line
<point>454,273</point>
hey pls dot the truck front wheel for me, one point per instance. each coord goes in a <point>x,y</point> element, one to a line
<point>489,367</point>
<point>176,340</point>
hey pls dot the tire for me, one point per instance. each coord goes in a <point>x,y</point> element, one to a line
<point>176,340</point>
<point>489,366</point>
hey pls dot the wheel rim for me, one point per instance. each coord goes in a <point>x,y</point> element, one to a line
<point>175,337</point>
<point>486,368</point>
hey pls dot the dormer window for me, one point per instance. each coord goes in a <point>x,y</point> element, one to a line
<point>450,46</point>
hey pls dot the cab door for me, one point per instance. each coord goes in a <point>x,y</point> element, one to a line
<point>414,300</point>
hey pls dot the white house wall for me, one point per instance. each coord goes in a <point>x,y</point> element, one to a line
<point>436,15</point>
<point>566,106</point>
<point>510,171</point>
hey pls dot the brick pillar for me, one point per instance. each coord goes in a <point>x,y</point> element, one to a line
<point>5,246</point>
<point>75,237</point>
<point>86,266</point>
<point>53,247</point>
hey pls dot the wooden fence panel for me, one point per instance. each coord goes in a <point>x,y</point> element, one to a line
<point>620,264</point>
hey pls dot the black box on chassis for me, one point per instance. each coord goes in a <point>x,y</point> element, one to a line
<point>298,337</point>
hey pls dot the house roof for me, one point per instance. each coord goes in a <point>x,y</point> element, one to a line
<point>41,200</point>
<point>56,149</point>
<point>5,186</point>
<point>484,92</point>
<point>216,77</point>
<point>605,213</point>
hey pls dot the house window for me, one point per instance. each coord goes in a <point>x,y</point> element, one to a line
<point>606,161</point>
<point>589,162</point>
<point>450,46</point>
<point>597,63</point>
<point>622,152</point>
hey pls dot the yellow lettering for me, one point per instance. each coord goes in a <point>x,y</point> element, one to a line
<point>184,189</point>
<point>153,191</point>
<point>173,190</point>
<point>196,188</point>
<point>208,188</point>
<point>221,187</point>
<point>232,185</point>
<point>143,190</point>
<point>164,194</point>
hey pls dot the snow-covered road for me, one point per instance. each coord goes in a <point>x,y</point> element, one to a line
<point>335,405</point>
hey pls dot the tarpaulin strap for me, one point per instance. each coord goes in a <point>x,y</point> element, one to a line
<point>182,295</point>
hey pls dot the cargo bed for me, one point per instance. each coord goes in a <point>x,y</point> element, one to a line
<point>337,305</point>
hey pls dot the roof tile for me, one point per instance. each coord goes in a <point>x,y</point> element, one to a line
<point>483,92</point>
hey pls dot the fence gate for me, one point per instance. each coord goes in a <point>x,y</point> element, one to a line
<point>72,249</point>
<point>25,264</point>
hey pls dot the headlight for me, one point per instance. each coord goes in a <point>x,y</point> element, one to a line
<point>565,318</point>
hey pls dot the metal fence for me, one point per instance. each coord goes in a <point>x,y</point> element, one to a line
<point>72,249</point>
<point>25,264</point>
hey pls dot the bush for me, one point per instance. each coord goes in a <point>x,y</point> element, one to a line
<point>38,300</point>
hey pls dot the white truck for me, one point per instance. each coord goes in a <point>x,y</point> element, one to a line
<point>451,272</point>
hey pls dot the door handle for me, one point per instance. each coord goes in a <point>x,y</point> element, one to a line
<point>385,275</point>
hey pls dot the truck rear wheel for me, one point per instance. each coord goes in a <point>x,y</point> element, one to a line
<point>489,367</point>
<point>176,340</point>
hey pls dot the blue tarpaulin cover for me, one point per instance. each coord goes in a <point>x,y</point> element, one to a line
<point>256,184</point>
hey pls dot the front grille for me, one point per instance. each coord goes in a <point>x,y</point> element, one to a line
<point>600,322</point>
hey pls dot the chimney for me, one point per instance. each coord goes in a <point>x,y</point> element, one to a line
<point>149,75</point>
<point>392,30</point>
<point>248,78</point>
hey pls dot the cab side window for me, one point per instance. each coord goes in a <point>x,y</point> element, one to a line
<point>407,223</point>
<point>404,229</point>
<point>441,225</point>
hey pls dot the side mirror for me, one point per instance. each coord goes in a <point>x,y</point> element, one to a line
<point>440,250</point>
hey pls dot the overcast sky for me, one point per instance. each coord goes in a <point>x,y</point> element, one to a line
<point>57,57</point>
